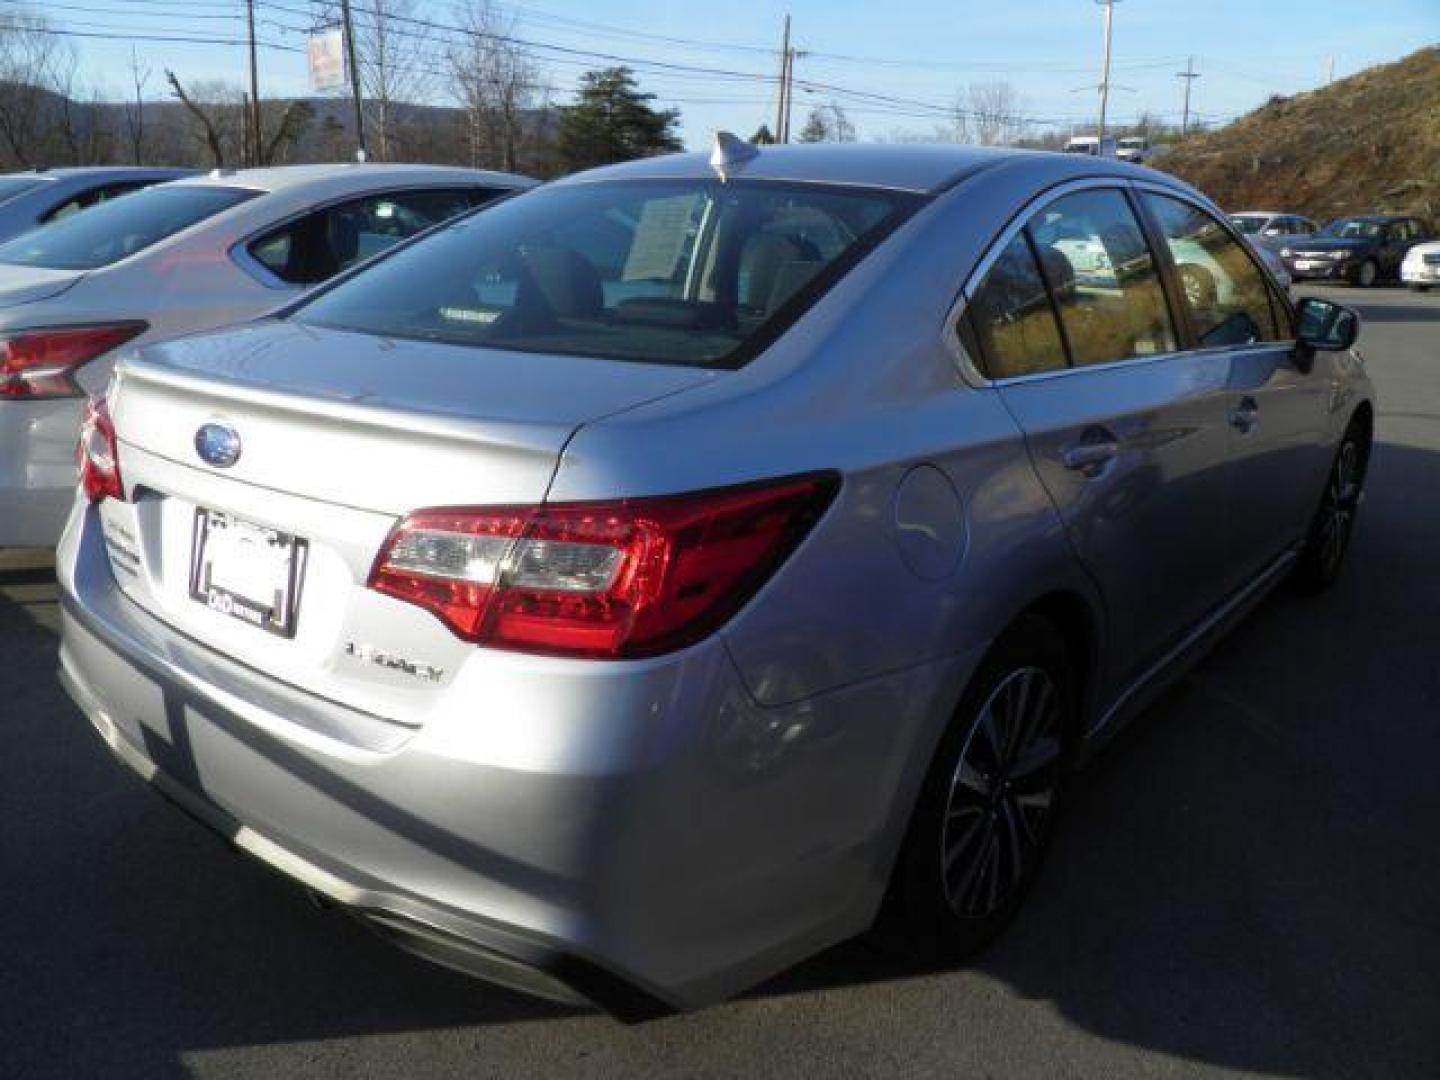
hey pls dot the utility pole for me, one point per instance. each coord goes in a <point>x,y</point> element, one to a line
<point>253,150</point>
<point>353,61</point>
<point>780,110</point>
<point>1330,78</point>
<point>1189,75</point>
<point>1109,6</point>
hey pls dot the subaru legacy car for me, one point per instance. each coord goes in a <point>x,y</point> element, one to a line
<point>190,255</point>
<point>633,589</point>
<point>1359,250</point>
<point>31,199</point>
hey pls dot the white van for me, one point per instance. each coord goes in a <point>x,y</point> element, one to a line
<point>1090,144</point>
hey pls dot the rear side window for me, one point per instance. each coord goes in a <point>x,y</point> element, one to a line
<point>319,245</point>
<point>1103,277</point>
<point>119,228</point>
<point>694,271</point>
<point>1012,322</point>
<point>1222,290</point>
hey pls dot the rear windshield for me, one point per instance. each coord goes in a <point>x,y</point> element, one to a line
<point>117,228</point>
<point>694,272</point>
<point>10,186</point>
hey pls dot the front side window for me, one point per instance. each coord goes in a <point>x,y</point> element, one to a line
<point>693,271</point>
<point>1103,277</point>
<point>1248,224</point>
<point>117,229</point>
<point>319,245</point>
<point>1011,317</point>
<point>85,199</point>
<point>1222,290</point>
<point>1353,229</point>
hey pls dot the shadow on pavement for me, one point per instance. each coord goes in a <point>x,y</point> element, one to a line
<point>1247,879</point>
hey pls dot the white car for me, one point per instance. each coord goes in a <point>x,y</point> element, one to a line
<point>190,255</point>
<point>1420,269</point>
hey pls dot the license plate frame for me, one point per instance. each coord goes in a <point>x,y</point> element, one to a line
<point>221,581</point>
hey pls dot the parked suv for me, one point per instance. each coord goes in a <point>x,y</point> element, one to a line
<point>632,589</point>
<point>1361,250</point>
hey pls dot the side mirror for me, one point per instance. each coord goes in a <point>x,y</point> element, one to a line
<point>1321,324</point>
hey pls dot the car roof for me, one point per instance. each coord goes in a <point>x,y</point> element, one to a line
<point>85,172</point>
<point>917,167</point>
<point>340,178</point>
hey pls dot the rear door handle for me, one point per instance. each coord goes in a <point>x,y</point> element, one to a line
<point>1096,448</point>
<point>1245,416</point>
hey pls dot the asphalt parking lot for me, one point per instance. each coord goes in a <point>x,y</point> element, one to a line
<point>1248,882</point>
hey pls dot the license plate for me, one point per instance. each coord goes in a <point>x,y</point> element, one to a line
<point>250,572</point>
<point>1310,264</point>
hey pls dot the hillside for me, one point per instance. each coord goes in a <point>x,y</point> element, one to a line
<point>1368,142</point>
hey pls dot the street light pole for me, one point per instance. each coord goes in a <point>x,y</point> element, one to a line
<point>353,62</point>
<point>1108,5</point>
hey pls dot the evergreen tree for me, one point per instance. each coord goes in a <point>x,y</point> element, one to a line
<point>612,120</point>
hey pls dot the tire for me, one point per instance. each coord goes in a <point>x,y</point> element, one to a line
<point>1367,275</point>
<point>988,805</point>
<point>1328,540</point>
<point>1419,288</point>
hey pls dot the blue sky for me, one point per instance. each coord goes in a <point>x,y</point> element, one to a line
<point>915,55</point>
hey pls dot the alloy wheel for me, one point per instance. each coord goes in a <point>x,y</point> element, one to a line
<point>1337,514</point>
<point>1367,274</point>
<point>1002,794</point>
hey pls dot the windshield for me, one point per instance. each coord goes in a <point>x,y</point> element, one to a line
<point>10,186</point>
<point>694,272</point>
<point>1133,143</point>
<point>1354,229</point>
<point>112,230</point>
<point>1248,223</point>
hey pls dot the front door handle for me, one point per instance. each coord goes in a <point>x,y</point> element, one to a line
<point>1245,416</point>
<point>1096,449</point>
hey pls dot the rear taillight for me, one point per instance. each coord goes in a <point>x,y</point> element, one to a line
<point>98,454</point>
<point>42,363</point>
<point>616,579</point>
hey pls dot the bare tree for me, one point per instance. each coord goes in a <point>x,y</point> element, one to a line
<point>216,109</point>
<point>134,114</point>
<point>495,83</point>
<point>34,63</point>
<point>393,50</point>
<point>827,123</point>
<point>996,113</point>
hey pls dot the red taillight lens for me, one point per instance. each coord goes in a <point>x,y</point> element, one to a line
<point>42,363</point>
<point>621,579</point>
<point>98,454</point>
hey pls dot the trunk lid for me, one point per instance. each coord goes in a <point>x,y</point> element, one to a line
<point>27,284</point>
<point>340,434</point>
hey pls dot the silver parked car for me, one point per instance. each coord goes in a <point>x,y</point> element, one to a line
<point>633,589</point>
<point>31,199</point>
<point>190,255</point>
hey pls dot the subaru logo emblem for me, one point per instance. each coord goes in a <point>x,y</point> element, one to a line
<point>218,445</point>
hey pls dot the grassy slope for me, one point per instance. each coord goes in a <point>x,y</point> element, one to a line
<point>1369,142</point>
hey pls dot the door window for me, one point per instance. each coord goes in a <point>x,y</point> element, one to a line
<point>91,197</point>
<point>1011,320</point>
<point>1222,290</point>
<point>1102,275</point>
<point>319,245</point>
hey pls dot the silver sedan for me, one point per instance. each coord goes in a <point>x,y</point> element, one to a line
<point>633,589</point>
<point>190,255</point>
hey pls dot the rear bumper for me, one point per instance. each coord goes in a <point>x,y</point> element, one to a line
<point>711,845</point>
